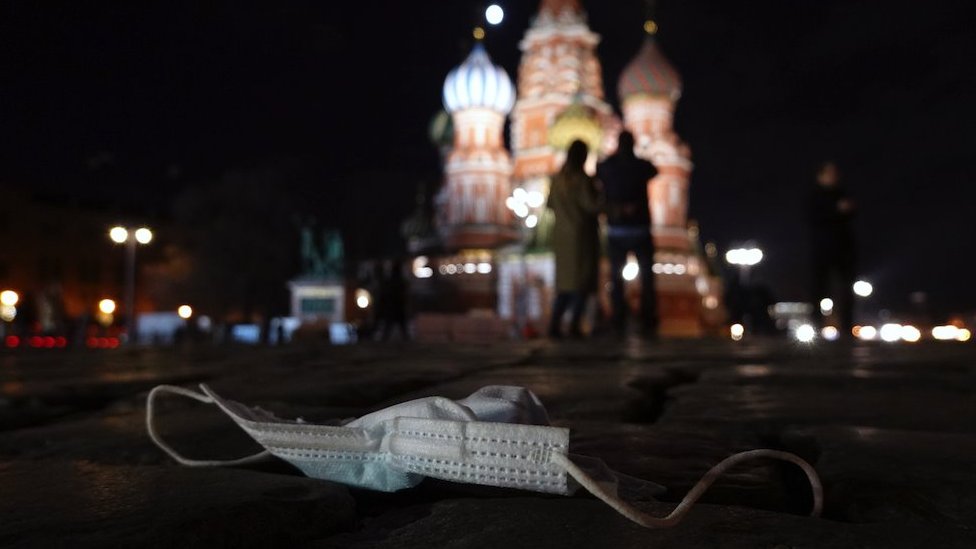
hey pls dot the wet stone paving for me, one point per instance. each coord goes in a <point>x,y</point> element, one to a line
<point>890,429</point>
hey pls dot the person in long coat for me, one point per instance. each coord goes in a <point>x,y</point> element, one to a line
<point>574,201</point>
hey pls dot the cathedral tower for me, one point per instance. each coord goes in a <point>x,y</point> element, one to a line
<point>559,67</point>
<point>478,95</point>
<point>649,88</point>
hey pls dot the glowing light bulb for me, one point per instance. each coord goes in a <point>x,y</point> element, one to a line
<point>143,235</point>
<point>863,288</point>
<point>535,199</point>
<point>867,333</point>
<point>805,333</point>
<point>911,334</point>
<point>890,332</point>
<point>362,298</point>
<point>9,298</point>
<point>118,234</point>
<point>185,311</point>
<point>945,333</point>
<point>631,270</point>
<point>106,306</point>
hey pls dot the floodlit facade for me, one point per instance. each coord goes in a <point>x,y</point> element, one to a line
<point>491,212</point>
<point>478,95</point>
<point>649,89</point>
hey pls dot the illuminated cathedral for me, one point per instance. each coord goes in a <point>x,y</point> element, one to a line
<point>491,208</point>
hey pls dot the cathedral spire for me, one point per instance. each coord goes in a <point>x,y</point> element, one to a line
<point>556,7</point>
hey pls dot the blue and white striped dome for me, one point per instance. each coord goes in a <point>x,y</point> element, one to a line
<point>479,83</point>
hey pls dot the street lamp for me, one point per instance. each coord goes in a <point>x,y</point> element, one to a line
<point>744,259</point>
<point>863,288</point>
<point>9,298</point>
<point>8,302</point>
<point>106,306</point>
<point>106,310</point>
<point>121,235</point>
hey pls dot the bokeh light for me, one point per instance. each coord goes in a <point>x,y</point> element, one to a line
<point>805,333</point>
<point>106,306</point>
<point>9,298</point>
<point>867,333</point>
<point>362,298</point>
<point>631,271</point>
<point>863,288</point>
<point>118,234</point>
<point>494,14</point>
<point>143,235</point>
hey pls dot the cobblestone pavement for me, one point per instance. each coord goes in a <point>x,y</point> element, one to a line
<point>890,429</point>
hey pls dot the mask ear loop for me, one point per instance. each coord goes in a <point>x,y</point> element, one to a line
<point>696,492</point>
<point>151,428</point>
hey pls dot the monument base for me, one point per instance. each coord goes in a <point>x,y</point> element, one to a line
<point>318,301</point>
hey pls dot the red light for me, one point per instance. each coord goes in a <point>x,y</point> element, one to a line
<point>35,341</point>
<point>102,342</point>
<point>60,342</point>
<point>12,341</point>
<point>47,342</point>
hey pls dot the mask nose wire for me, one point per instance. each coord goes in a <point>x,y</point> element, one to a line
<point>151,428</point>
<point>696,492</point>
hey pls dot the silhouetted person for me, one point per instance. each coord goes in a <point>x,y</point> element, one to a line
<point>574,200</point>
<point>625,178</point>
<point>834,253</point>
<point>391,302</point>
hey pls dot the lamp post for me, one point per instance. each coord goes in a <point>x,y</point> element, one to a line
<point>121,235</point>
<point>744,259</point>
<point>8,309</point>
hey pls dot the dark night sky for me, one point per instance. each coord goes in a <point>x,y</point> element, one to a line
<point>125,104</point>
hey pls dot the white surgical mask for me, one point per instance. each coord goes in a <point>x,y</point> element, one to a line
<point>498,436</point>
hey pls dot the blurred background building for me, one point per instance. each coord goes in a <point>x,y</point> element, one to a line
<point>491,210</point>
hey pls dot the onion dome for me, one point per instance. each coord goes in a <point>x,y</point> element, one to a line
<point>649,73</point>
<point>578,121</point>
<point>479,83</point>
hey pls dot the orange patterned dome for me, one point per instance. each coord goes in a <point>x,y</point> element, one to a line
<point>649,73</point>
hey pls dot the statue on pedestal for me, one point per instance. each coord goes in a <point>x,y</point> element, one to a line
<point>324,259</point>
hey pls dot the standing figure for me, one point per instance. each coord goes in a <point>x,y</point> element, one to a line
<point>625,178</point>
<point>391,303</point>
<point>834,253</point>
<point>574,201</point>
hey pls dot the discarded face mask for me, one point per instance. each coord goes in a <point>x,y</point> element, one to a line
<point>498,436</point>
